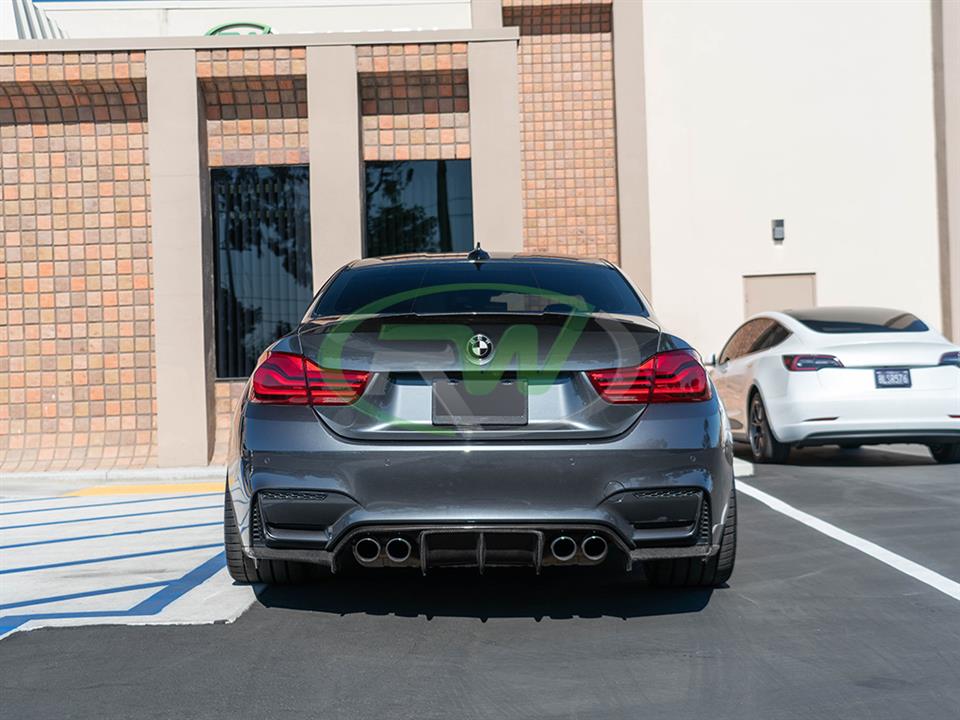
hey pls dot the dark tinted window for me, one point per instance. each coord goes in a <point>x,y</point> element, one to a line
<point>468,287</point>
<point>261,231</point>
<point>858,320</point>
<point>418,206</point>
<point>771,337</point>
<point>744,339</point>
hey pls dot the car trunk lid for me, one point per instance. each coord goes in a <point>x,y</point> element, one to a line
<point>419,362</point>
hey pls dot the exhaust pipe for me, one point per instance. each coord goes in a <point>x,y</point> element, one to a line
<point>563,548</point>
<point>366,550</point>
<point>398,549</point>
<point>594,548</point>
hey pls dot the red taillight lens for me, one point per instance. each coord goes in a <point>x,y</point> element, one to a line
<point>673,376</point>
<point>287,379</point>
<point>810,363</point>
<point>334,387</point>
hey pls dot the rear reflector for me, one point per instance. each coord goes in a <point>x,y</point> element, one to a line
<point>673,376</point>
<point>287,379</point>
<point>810,363</point>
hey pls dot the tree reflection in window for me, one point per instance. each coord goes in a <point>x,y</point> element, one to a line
<point>418,206</point>
<point>263,269</point>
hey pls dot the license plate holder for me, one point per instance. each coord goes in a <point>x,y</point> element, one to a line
<point>892,378</point>
<point>501,402</point>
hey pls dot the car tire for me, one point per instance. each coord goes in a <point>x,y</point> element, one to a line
<point>698,572</point>
<point>764,446</point>
<point>946,453</point>
<point>245,570</point>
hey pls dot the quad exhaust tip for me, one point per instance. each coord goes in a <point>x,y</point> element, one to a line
<point>366,550</point>
<point>563,548</point>
<point>594,548</point>
<point>398,550</point>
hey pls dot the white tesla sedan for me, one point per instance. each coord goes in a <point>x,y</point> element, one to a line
<point>845,376</point>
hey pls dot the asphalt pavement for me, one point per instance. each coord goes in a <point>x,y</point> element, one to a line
<point>808,627</point>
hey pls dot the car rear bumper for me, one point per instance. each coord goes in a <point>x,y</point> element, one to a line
<point>646,493</point>
<point>844,403</point>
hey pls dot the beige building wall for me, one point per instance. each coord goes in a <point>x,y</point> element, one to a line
<point>135,18</point>
<point>817,113</point>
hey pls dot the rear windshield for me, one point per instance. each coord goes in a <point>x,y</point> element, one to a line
<point>497,286</point>
<point>859,320</point>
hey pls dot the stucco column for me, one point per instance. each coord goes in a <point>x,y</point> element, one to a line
<point>336,186</point>
<point>495,145</point>
<point>631,118</point>
<point>946,42</point>
<point>486,14</point>
<point>183,305</point>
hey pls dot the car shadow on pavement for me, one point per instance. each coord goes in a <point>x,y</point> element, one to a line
<point>866,456</point>
<point>565,594</point>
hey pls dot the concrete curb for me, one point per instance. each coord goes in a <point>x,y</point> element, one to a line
<point>209,472</point>
<point>57,483</point>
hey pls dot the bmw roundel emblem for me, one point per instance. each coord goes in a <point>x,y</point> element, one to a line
<point>480,349</point>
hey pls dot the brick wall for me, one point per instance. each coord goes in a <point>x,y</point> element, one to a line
<point>567,123</point>
<point>255,103</point>
<point>414,102</point>
<point>227,394</point>
<point>76,321</point>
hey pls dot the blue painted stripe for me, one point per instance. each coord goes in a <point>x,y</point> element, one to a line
<point>113,534</point>
<point>179,587</point>
<point>89,593</point>
<point>111,517</point>
<point>33,499</point>
<point>106,558</point>
<point>151,606</point>
<point>107,504</point>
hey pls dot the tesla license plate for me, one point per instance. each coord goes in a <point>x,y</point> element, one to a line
<point>892,378</point>
<point>490,403</point>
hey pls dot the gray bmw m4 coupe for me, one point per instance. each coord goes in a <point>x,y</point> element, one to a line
<point>480,410</point>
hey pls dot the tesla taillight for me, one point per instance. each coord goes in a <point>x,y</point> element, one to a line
<point>288,379</point>
<point>950,358</point>
<point>810,363</point>
<point>672,376</point>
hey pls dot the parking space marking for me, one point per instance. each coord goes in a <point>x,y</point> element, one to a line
<point>915,570</point>
<point>78,538</point>
<point>109,517</point>
<point>61,508</point>
<point>67,564</point>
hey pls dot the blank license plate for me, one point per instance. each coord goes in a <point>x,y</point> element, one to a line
<point>891,378</point>
<point>495,403</point>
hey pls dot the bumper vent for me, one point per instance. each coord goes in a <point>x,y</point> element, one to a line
<point>312,495</point>
<point>667,493</point>
<point>256,524</point>
<point>703,532</point>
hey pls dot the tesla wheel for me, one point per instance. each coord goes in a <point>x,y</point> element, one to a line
<point>695,572</point>
<point>764,447</point>
<point>243,569</point>
<point>946,453</point>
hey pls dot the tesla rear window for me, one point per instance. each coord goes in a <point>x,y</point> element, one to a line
<point>496,286</point>
<point>858,320</point>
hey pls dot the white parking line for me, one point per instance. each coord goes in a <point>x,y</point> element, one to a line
<point>897,562</point>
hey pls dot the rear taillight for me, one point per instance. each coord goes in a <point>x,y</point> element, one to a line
<point>950,358</point>
<point>287,379</point>
<point>673,376</point>
<point>810,363</point>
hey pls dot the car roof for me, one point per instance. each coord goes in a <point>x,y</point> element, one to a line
<point>437,258</point>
